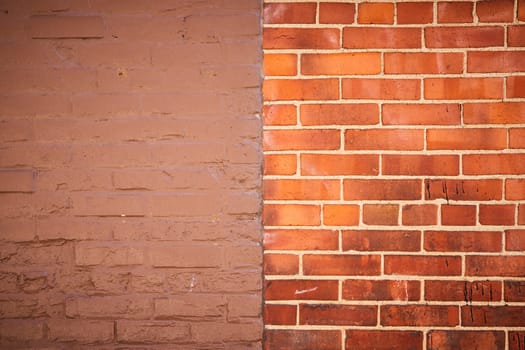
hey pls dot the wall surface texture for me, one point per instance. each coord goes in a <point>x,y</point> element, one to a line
<point>394,139</point>
<point>130,174</point>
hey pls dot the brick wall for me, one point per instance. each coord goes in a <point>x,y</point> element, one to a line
<point>394,139</point>
<point>129,174</point>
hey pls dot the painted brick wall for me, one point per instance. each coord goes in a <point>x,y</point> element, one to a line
<point>394,139</point>
<point>130,174</point>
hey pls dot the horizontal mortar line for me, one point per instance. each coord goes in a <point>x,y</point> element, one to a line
<point>386,25</point>
<point>344,127</point>
<point>392,277</point>
<point>406,152</point>
<point>364,302</point>
<point>384,101</point>
<point>464,50</point>
<point>384,328</point>
<point>395,76</point>
<point>383,228</point>
<point>425,177</point>
<point>425,253</point>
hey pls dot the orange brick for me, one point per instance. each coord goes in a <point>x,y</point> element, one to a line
<point>375,38</point>
<point>280,64</point>
<point>384,139</point>
<point>336,13</point>
<point>305,89</point>
<point>495,10</point>
<point>341,315</point>
<point>462,88</point>
<point>481,265</point>
<point>341,63</point>
<point>516,87</point>
<point>339,114</point>
<point>359,265</point>
<point>496,214</point>
<point>381,89</point>
<point>375,13</point>
<point>382,189</point>
<point>463,241</point>
<point>521,10</point>
<point>494,113</point>
<point>301,290</point>
<point>410,165</point>
<point>474,139</point>
<point>291,215</point>
<point>496,61</point>
<point>279,115</point>
<point>464,37</point>
<point>423,63</point>
<point>515,189</point>
<point>462,291</point>
<point>280,314</point>
<point>517,138</point>
<point>335,164</point>
<point>414,12</point>
<point>301,240</point>
<point>455,12</point>
<point>458,215</point>
<point>378,214</point>
<point>381,290</point>
<point>419,214</point>
<point>479,164</point>
<point>301,38</point>
<point>301,189</point>
<point>516,34</point>
<point>381,240</point>
<point>340,214</point>
<point>421,114</point>
<point>417,265</point>
<point>521,214</point>
<point>280,164</point>
<point>515,240</point>
<point>279,140</point>
<point>419,315</point>
<point>289,13</point>
<point>281,264</point>
<point>470,190</point>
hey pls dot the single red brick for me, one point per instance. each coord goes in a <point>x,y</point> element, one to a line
<point>382,89</point>
<point>291,215</point>
<point>514,291</point>
<point>516,87</point>
<point>281,264</point>
<point>496,61</point>
<point>474,190</point>
<point>301,240</point>
<point>340,114</point>
<point>421,114</point>
<point>373,240</point>
<point>419,315</point>
<point>383,340</point>
<point>474,139</point>
<point>521,10</point>
<point>280,314</point>
<point>279,115</point>
<point>336,13</point>
<point>375,13</point>
<point>301,89</point>
<point>495,10</point>
<point>341,214</point>
<point>516,34</point>
<point>515,240</point>
<point>301,38</point>
<point>340,315</point>
<point>419,214</point>
<point>458,215</point>
<point>511,266</point>
<point>382,189</point>
<point>494,113</point>
<point>455,12</point>
<point>301,189</point>
<point>417,265</point>
<point>384,139</point>
<point>515,189</point>
<point>341,63</point>
<point>381,38</point>
<point>411,165</point>
<point>463,88</point>
<point>464,37</point>
<point>521,214</point>
<point>302,339</point>
<point>335,164</point>
<point>517,138</point>
<point>280,64</point>
<point>300,290</point>
<point>463,291</point>
<point>496,214</point>
<point>492,316</point>
<point>281,140</point>
<point>381,290</point>
<point>289,13</point>
<point>280,164</point>
<point>463,241</point>
<point>423,63</point>
<point>359,265</point>
<point>451,340</point>
<point>516,339</point>
<point>378,214</point>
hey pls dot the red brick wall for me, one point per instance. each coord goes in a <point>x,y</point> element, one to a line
<point>130,174</point>
<point>394,139</point>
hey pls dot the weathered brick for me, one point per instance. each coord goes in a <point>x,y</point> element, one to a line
<point>492,316</point>
<point>381,290</point>
<point>418,265</point>
<point>301,290</point>
<point>151,332</point>
<point>443,340</point>
<point>82,331</point>
<point>342,315</point>
<point>193,305</point>
<point>280,314</point>
<point>301,239</point>
<point>419,315</point>
<point>463,241</point>
<point>436,290</point>
<point>302,339</point>
<point>377,240</point>
<point>341,264</point>
<point>382,340</point>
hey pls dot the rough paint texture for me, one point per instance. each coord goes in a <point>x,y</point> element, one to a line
<point>394,161</point>
<point>130,174</point>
